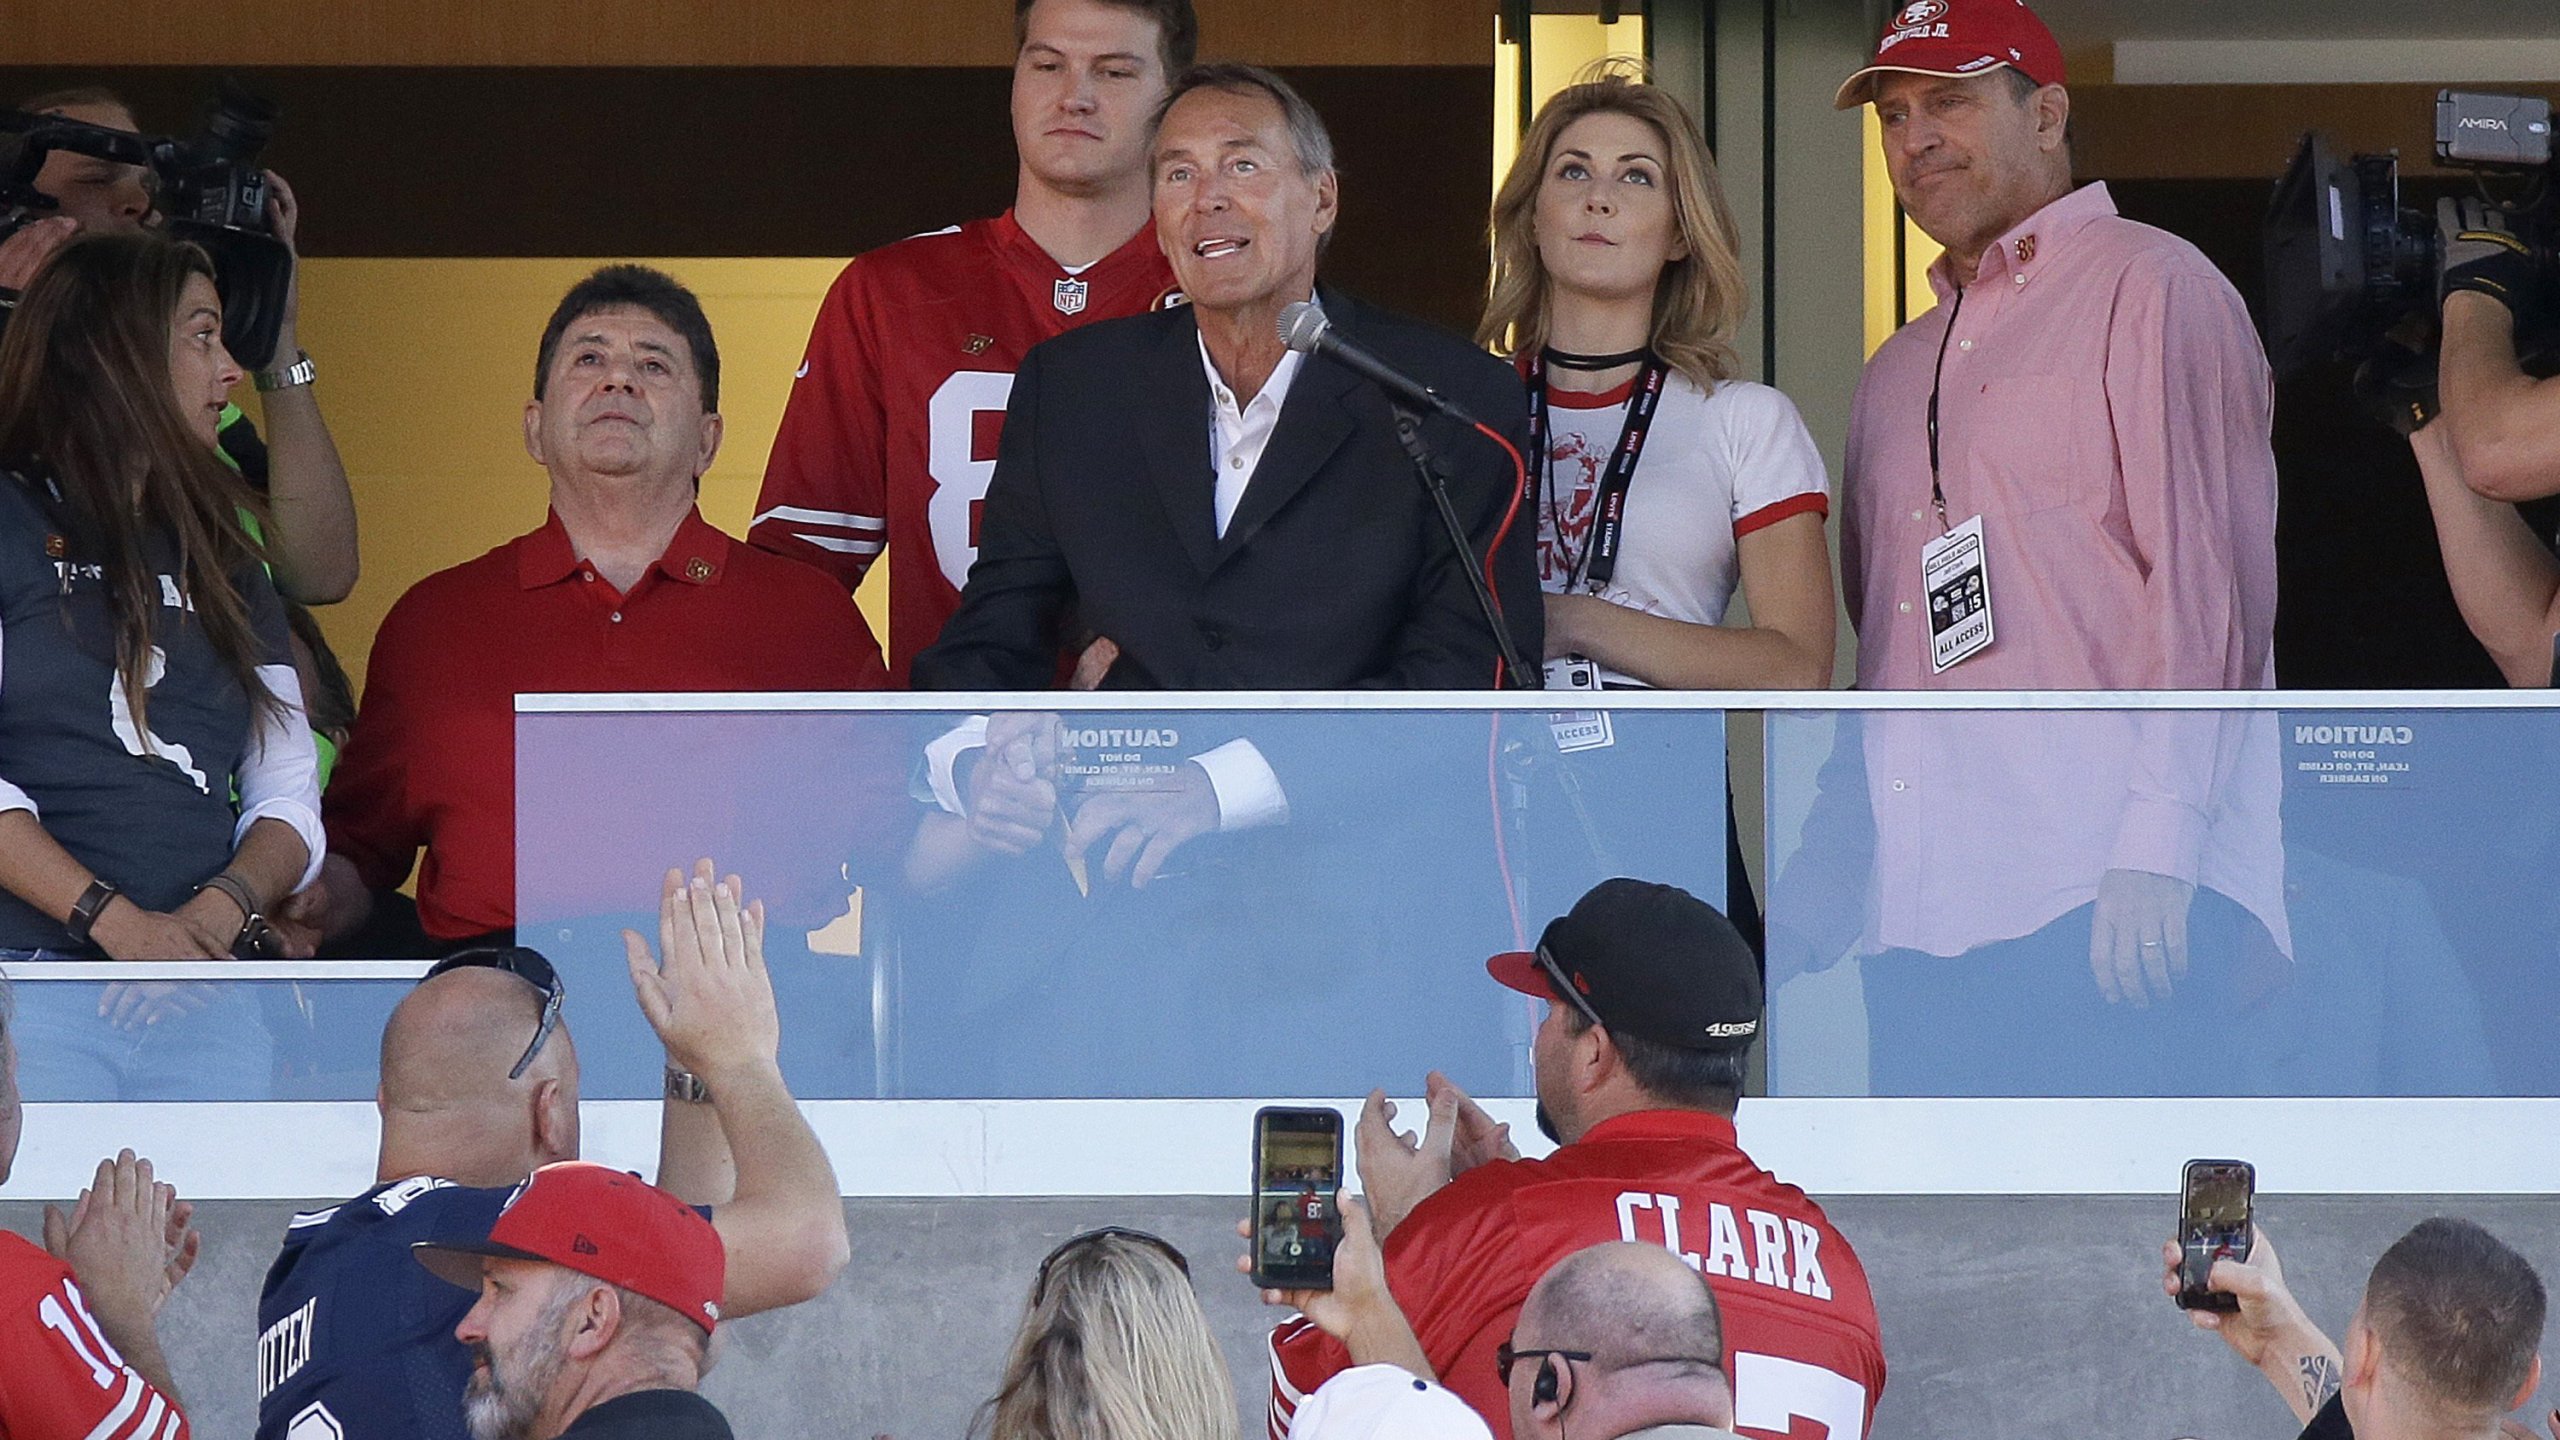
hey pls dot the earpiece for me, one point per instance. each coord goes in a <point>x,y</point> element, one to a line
<point>1543,1392</point>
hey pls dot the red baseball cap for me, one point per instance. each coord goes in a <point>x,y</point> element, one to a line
<point>604,1223</point>
<point>1958,37</point>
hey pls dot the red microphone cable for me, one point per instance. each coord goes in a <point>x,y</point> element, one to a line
<point>1510,513</point>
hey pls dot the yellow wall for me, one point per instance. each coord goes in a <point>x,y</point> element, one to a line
<point>425,366</point>
<point>1559,46</point>
<point>1920,252</point>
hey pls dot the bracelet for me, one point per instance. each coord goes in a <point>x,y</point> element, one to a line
<point>231,888</point>
<point>84,911</point>
<point>300,372</point>
<point>686,1086</point>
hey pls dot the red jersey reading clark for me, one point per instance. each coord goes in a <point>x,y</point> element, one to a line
<point>890,435</point>
<point>1801,1338</point>
<point>62,1380</point>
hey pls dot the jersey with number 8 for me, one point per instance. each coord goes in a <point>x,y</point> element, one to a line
<point>1802,1341</point>
<point>890,436</point>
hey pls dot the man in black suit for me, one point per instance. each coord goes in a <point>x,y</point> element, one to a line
<point>1230,514</point>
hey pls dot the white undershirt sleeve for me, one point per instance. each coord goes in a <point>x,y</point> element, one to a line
<point>280,775</point>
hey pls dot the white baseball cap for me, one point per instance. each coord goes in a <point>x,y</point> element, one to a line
<point>1384,1402</point>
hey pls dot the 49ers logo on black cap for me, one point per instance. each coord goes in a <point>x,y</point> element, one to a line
<point>1920,12</point>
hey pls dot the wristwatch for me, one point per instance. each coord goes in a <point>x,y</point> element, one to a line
<point>300,372</point>
<point>84,911</point>
<point>686,1086</point>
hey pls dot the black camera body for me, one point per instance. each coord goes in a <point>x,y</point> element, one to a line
<point>208,188</point>
<point>2351,273</point>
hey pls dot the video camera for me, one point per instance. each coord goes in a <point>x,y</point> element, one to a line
<point>2351,274</point>
<point>209,188</point>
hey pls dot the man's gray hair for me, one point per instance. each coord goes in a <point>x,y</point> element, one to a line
<point>1308,137</point>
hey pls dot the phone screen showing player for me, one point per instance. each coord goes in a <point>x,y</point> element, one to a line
<point>1297,1167</point>
<point>2213,1223</point>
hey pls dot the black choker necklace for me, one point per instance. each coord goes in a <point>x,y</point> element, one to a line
<point>1567,360</point>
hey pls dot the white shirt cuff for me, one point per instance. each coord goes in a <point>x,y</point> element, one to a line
<point>280,776</point>
<point>13,798</point>
<point>942,757</point>
<point>1249,795</point>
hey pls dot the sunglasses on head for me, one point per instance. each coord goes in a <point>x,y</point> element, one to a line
<point>1157,1243</point>
<point>1565,988</point>
<point>524,964</point>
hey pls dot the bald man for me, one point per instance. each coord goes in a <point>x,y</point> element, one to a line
<point>1619,1342</point>
<point>479,1089</point>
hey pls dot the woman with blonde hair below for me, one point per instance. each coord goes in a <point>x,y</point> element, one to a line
<point>1113,1346</point>
<point>1664,483</point>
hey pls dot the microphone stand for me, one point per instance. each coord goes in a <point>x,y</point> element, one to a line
<point>1434,483</point>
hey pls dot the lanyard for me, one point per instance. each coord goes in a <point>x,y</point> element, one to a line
<point>1937,377</point>
<point>1599,558</point>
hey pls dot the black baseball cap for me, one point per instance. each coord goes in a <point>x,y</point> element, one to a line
<point>1651,960</point>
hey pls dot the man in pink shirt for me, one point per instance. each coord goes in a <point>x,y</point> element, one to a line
<point>2060,478</point>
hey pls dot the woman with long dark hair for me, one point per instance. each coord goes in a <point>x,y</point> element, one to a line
<point>157,782</point>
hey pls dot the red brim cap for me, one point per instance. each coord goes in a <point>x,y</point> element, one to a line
<point>1955,39</point>
<point>1519,969</point>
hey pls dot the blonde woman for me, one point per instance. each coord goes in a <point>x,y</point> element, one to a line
<point>1112,1347</point>
<point>1617,287</point>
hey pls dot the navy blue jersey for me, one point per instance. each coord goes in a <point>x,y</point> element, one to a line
<point>355,1338</point>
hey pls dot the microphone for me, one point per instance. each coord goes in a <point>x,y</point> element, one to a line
<point>1305,329</point>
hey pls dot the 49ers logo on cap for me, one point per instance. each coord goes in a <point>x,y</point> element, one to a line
<point>1920,12</point>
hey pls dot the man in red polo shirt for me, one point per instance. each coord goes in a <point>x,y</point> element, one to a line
<point>624,588</point>
<point>1653,1001</point>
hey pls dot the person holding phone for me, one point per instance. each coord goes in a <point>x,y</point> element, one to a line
<point>2444,1344</point>
<point>1389,1389</point>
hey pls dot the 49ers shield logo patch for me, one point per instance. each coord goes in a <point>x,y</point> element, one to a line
<point>1068,295</point>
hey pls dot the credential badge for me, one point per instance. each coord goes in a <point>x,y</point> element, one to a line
<point>1069,295</point>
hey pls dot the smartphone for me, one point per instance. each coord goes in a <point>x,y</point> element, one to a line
<point>2213,1221</point>
<point>1297,1167</point>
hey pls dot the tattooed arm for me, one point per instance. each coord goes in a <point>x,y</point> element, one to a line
<point>2269,1330</point>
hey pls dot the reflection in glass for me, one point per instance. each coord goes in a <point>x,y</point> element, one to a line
<point>1197,903</point>
<point>2372,914</point>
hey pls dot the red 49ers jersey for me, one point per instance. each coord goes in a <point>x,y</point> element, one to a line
<point>1800,1332</point>
<point>890,436</point>
<point>62,1378</point>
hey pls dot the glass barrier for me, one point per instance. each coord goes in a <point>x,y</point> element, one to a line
<point>1972,902</point>
<point>1961,901</point>
<point>107,1031</point>
<point>1183,902</point>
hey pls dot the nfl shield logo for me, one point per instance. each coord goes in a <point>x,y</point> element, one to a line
<point>1068,296</point>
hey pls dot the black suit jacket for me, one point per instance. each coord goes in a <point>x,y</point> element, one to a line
<point>1335,571</point>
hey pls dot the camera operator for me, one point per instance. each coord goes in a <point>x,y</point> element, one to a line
<point>2492,439</point>
<point>310,534</point>
<point>2505,424</point>
<point>2505,578</point>
<point>2441,1347</point>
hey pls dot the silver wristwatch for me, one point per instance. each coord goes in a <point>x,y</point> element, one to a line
<point>300,372</point>
<point>686,1086</point>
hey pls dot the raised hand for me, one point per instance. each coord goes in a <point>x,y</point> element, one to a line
<point>710,1000</point>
